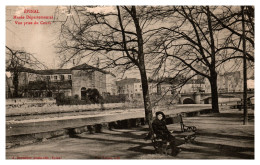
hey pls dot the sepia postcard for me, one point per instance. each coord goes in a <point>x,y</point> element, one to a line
<point>129,82</point>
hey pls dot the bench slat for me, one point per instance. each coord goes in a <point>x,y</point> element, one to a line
<point>182,134</point>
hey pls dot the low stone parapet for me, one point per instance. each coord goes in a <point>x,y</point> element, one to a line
<point>49,109</point>
<point>31,131</point>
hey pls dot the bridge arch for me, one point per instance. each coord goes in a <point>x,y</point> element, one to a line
<point>188,101</point>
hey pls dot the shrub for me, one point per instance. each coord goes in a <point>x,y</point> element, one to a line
<point>76,96</point>
<point>94,96</point>
<point>94,99</point>
<point>115,99</point>
<point>71,101</point>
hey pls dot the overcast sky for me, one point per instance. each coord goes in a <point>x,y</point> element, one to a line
<point>36,39</point>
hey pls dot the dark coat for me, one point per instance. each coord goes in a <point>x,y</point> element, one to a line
<point>160,129</point>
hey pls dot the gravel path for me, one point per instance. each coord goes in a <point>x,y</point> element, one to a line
<point>220,136</point>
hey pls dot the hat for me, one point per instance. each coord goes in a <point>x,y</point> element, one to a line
<point>160,112</point>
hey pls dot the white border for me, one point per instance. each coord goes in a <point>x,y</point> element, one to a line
<point>132,2</point>
<point>116,2</point>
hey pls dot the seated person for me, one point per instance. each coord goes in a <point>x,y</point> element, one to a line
<point>162,132</point>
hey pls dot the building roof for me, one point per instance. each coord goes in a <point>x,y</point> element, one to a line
<point>88,67</point>
<point>54,71</point>
<point>128,81</point>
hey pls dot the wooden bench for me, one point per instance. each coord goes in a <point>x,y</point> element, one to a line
<point>186,132</point>
<point>250,104</point>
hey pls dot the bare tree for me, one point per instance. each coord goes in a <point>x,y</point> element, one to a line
<point>202,42</point>
<point>119,38</point>
<point>239,24</point>
<point>18,61</point>
<point>229,20</point>
<point>192,41</point>
<point>244,67</point>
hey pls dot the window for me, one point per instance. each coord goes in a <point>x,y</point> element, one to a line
<point>48,77</point>
<point>61,77</point>
<point>69,77</point>
<point>55,77</point>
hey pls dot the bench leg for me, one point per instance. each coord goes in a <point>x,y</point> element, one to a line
<point>164,149</point>
<point>190,138</point>
<point>193,138</point>
<point>161,148</point>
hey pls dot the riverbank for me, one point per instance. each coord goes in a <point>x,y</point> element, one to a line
<point>219,136</point>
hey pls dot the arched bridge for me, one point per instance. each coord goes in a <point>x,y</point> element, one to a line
<point>201,98</point>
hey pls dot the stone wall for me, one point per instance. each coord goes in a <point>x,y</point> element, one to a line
<point>87,79</point>
<point>100,82</point>
<point>81,79</point>
<point>29,102</point>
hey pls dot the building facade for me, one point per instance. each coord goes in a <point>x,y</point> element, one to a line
<point>69,82</point>
<point>227,82</point>
<point>111,84</point>
<point>131,87</point>
<point>194,85</point>
<point>230,82</point>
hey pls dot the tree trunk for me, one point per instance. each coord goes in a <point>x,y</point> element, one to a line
<point>16,84</point>
<point>141,66</point>
<point>146,97</point>
<point>214,92</point>
<point>244,70</point>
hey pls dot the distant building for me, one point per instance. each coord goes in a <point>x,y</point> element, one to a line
<point>197,83</point>
<point>194,85</point>
<point>131,87</point>
<point>173,86</point>
<point>70,82</point>
<point>26,75</point>
<point>166,86</point>
<point>231,82</point>
<point>111,84</point>
<point>153,87</point>
<point>163,86</point>
<point>85,76</point>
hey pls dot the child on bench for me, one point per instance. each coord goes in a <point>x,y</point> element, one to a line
<point>161,131</point>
